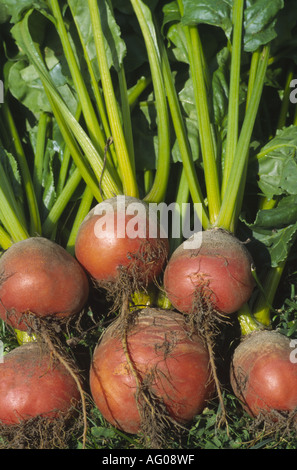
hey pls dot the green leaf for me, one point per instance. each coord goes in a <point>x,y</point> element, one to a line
<point>220,87</point>
<point>15,8</point>
<point>274,231</point>
<point>281,216</point>
<point>277,164</point>
<point>260,18</point>
<point>212,12</point>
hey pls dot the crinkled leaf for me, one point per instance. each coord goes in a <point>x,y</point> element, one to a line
<point>212,12</point>
<point>177,36</point>
<point>23,79</point>
<point>26,87</point>
<point>260,18</point>
<point>277,166</point>
<point>274,246</point>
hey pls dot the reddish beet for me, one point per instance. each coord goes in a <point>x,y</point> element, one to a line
<point>40,277</point>
<point>166,359</point>
<point>32,384</point>
<point>264,373</point>
<point>113,237</point>
<point>218,269</point>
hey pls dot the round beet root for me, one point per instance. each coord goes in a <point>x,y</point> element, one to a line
<point>218,270</point>
<point>40,277</point>
<point>170,364</point>
<point>32,384</point>
<point>118,237</point>
<point>264,373</point>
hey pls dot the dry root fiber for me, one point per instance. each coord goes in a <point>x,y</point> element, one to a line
<point>46,333</point>
<point>135,276</point>
<point>156,422</point>
<point>41,432</point>
<point>276,425</point>
<point>207,322</point>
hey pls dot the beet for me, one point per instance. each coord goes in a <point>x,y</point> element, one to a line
<point>34,384</point>
<point>113,242</point>
<point>40,277</point>
<point>218,271</point>
<point>171,365</point>
<point>263,375</point>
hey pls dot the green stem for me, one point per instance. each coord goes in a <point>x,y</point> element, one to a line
<point>5,239</point>
<point>158,190</point>
<point>247,322</point>
<point>94,129</point>
<point>84,208</point>
<point>125,109</point>
<point>35,224</point>
<point>204,124</point>
<point>66,160</point>
<point>8,214</point>
<point>181,135</point>
<point>233,104</point>
<point>148,179</point>
<point>251,83</point>
<point>75,151</point>
<point>136,90</point>
<point>103,136</point>
<point>39,154</point>
<point>286,100</point>
<point>126,116</point>
<point>125,166</point>
<point>61,203</point>
<point>71,129</point>
<point>8,192</point>
<point>228,208</point>
<point>182,197</point>
<point>265,300</point>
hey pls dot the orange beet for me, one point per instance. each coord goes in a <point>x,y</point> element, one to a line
<point>264,373</point>
<point>40,277</point>
<point>175,365</point>
<point>32,384</point>
<point>115,238</point>
<point>219,269</point>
